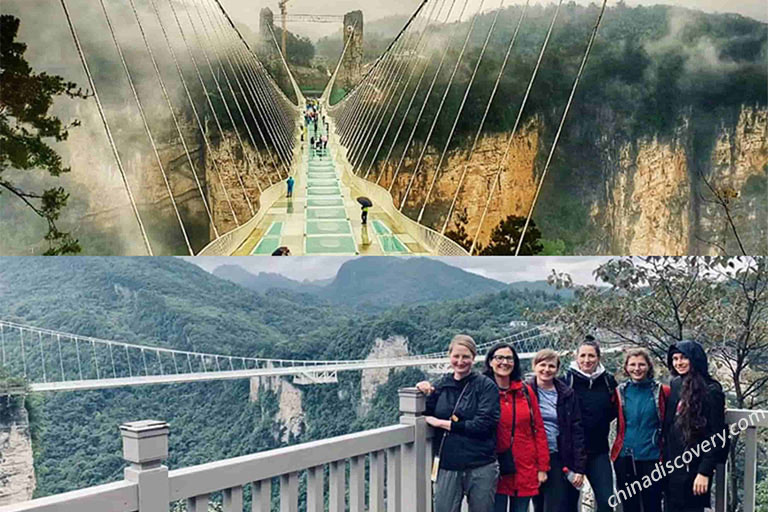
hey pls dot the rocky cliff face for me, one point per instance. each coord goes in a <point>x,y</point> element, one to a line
<point>17,471</point>
<point>290,415</point>
<point>651,195</point>
<point>512,195</point>
<point>394,346</point>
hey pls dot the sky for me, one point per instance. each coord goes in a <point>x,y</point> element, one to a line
<point>247,11</point>
<point>505,269</point>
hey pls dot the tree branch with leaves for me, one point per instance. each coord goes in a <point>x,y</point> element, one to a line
<point>25,123</point>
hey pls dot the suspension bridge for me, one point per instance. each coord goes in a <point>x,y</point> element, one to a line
<point>194,116</point>
<point>51,360</point>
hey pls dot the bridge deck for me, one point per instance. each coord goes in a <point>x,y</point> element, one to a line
<point>323,216</point>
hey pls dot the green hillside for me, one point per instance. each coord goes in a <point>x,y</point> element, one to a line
<point>169,302</point>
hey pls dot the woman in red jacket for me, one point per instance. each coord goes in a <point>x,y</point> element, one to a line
<point>521,442</point>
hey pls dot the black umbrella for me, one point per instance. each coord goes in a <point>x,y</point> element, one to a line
<point>364,201</point>
<point>281,251</point>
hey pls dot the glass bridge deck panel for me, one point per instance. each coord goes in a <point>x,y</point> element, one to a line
<point>326,213</point>
<point>329,227</point>
<point>325,201</point>
<point>330,245</point>
<point>323,191</point>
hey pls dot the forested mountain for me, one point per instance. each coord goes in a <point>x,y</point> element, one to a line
<point>376,284</point>
<point>169,302</point>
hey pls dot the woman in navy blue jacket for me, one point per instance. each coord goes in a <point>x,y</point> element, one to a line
<point>565,434</point>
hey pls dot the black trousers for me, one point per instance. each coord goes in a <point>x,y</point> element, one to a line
<point>632,498</point>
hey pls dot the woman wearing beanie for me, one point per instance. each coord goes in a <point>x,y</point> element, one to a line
<point>637,449</point>
<point>463,408</point>
<point>521,441</point>
<point>596,392</point>
<point>696,413</point>
<point>565,435</point>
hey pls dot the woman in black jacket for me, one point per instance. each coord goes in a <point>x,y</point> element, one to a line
<point>565,435</point>
<point>695,414</point>
<point>463,408</point>
<point>596,392</point>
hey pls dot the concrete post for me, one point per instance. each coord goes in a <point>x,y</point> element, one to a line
<point>413,466</point>
<point>145,446</point>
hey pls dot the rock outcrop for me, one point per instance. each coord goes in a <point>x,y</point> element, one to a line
<point>394,346</point>
<point>17,471</point>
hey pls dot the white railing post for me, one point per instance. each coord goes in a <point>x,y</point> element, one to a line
<point>145,446</point>
<point>413,455</point>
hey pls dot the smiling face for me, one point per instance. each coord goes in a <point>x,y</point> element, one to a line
<point>545,371</point>
<point>503,362</point>
<point>637,368</point>
<point>587,359</point>
<point>462,360</point>
<point>680,363</point>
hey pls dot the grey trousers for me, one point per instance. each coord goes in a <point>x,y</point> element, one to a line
<point>477,484</point>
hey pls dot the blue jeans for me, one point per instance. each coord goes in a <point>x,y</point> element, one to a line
<point>600,476</point>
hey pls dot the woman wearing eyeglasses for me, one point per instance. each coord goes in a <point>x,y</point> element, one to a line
<point>463,408</point>
<point>521,440</point>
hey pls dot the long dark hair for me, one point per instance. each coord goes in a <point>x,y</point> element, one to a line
<point>516,373</point>
<point>690,418</point>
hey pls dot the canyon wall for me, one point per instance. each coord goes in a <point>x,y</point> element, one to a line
<point>650,195</point>
<point>17,478</point>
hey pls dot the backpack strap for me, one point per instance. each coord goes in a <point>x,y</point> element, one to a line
<point>527,394</point>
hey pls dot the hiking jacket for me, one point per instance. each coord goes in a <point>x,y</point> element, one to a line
<point>679,489</point>
<point>598,402</point>
<point>570,441</point>
<point>529,445</point>
<point>660,393</point>
<point>471,441</point>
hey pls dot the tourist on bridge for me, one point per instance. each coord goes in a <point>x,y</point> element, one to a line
<point>364,213</point>
<point>463,407</point>
<point>637,449</point>
<point>324,140</point>
<point>596,392</point>
<point>289,182</point>
<point>521,440</point>
<point>696,412</point>
<point>565,435</point>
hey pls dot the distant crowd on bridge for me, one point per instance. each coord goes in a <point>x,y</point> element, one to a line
<point>503,442</point>
<point>312,117</point>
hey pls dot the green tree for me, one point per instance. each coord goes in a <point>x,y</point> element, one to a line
<point>505,236</point>
<point>652,302</point>
<point>25,99</point>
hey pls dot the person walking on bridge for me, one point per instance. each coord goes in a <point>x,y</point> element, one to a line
<point>463,408</point>
<point>289,182</point>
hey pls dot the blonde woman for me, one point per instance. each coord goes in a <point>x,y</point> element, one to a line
<point>463,408</point>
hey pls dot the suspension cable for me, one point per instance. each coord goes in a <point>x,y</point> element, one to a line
<point>418,48</point>
<point>440,108</point>
<point>485,116</point>
<point>144,120</point>
<point>207,95</point>
<point>170,106</point>
<point>514,128</point>
<point>461,109</point>
<point>424,106</point>
<point>560,128</point>
<point>108,131</point>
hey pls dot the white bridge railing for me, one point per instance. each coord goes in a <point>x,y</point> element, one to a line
<point>388,472</point>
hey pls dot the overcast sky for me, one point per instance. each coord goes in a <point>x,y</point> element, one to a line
<point>506,269</point>
<point>247,11</point>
